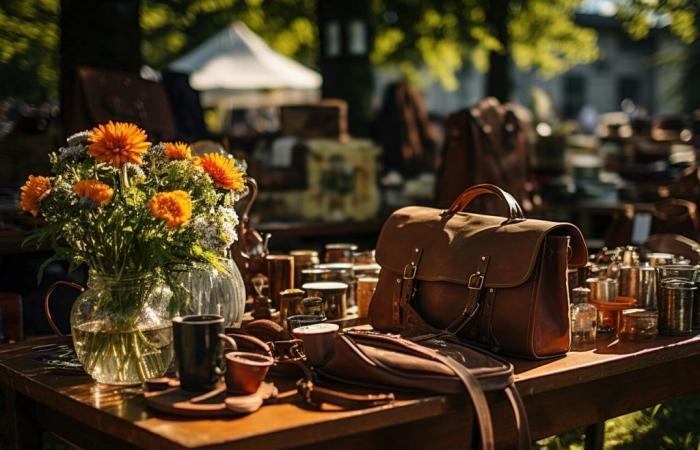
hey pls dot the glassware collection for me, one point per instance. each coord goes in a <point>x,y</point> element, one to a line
<point>636,297</point>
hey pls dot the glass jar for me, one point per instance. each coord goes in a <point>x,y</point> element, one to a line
<point>207,290</point>
<point>583,321</point>
<point>639,325</point>
<point>121,328</point>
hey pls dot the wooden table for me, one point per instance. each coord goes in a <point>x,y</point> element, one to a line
<point>577,390</point>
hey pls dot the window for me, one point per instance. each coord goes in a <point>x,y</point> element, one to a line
<point>629,88</point>
<point>574,95</point>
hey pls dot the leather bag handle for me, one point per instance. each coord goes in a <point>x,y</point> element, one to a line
<point>515,212</point>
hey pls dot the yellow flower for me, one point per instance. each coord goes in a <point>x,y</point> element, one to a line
<point>178,150</point>
<point>175,207</point>
<point>96,191</point>
<point>33,192</point>
<point>222,171</point>
<point>118,143</point>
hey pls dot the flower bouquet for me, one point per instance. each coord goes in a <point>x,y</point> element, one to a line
<point>129,210</point>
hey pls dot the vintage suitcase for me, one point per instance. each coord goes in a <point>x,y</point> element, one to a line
<point>500,282</point>
<point>325,119</point>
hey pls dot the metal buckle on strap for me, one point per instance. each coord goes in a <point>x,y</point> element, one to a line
<point>479,284</point>
<point>409,272</point>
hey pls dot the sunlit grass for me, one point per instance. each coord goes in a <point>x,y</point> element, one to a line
<point>672,425</point>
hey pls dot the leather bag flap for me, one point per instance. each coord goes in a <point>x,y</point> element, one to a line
<point>453,245</point>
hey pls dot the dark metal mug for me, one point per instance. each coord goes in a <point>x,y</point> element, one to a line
<point>199,351</point>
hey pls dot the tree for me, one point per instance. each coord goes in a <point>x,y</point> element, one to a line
<point>29,35</point>
<point>442,35</point>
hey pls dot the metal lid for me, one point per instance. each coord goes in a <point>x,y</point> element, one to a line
<point>328,286</point>
<point>303,253</point>
<point>678,283</point>
<point>580,295</point>
<point>341,246</point>
<point>639,313</point>
<point>336,267</point>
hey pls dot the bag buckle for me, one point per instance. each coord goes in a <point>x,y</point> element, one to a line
<point>479,281</point>
<point>409,271</point>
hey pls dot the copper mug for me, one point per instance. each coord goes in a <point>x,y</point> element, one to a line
<point>280,270</point>
<point>303,259</point>
<point>245,371</point>
<point>337,253</point>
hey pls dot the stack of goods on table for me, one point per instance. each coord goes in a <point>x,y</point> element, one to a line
<point>637,295</point>
<point>297,288</point>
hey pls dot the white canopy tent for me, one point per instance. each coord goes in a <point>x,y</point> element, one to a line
<point>236,69</point>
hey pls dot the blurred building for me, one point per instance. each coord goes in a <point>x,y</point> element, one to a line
<point>642,71</point>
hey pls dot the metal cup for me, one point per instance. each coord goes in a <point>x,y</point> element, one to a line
<point>677,271</point>
<point>291,304</point>
<point>603,289</point>
<point>628,281</point>
<point>303,259</point>
<point>334,297</point>
<point>344,273</point>
<point>676,307</point>
<point>660,259</point>
<point>336,253</point>
<point>648,288</point>
<point>281,273</point>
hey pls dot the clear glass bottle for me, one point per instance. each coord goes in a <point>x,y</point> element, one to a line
<point>583,320</point>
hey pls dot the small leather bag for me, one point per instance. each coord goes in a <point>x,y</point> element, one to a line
<point>440,366</point>
<point>498,281</point>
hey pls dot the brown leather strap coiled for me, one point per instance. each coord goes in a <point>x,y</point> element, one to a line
<point>515,212</point>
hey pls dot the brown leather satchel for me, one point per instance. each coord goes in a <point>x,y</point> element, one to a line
<point>500,282</point>
<point>484,144</point>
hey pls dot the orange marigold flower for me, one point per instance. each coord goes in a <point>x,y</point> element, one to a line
<point>177,150</point>
<point>96,191</point>
<point>118,143</point>
<point>223,171</point>
<point>175,207</point>
<point>33,192</point>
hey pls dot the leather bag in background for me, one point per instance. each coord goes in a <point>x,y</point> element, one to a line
<point>497,281</point>
<point>102,95</point>
<point>670,216</point>
<point>484,144</point>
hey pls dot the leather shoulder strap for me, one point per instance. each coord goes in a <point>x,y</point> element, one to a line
<point>478,399</point>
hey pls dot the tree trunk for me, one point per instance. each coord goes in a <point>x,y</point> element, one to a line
<point>346,37</point>
<point>498,80</point>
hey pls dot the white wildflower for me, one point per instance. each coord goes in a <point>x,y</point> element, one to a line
<point>134,170</point>
<point>217,229</point>
<point>79,138</point>
<point>70,152</point>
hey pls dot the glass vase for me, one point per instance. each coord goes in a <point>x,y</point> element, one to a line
<point>121,328</point>
<point>210,291</point>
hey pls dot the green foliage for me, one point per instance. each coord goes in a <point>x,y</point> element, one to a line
<point>442,35</point>
<point>29,37</point>
<point>172,27</point>
<point>668,426</point>
<point>639,16</point>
